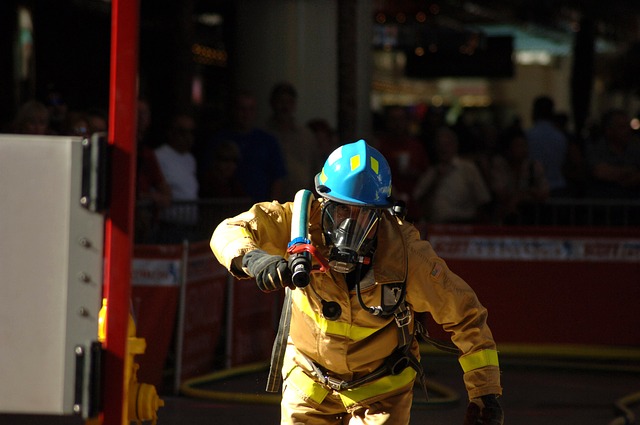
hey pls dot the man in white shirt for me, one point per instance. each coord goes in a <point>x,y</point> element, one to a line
<point>453,190</point>
<point>179,168</point>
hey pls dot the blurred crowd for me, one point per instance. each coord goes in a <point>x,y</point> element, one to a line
<point>466,170</point>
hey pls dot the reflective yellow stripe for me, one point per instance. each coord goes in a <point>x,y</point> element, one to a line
<point>355,333</point>
<point>317,392</point>
<point>479,359</point>
<point>307,385</point>
<point>380,386</point>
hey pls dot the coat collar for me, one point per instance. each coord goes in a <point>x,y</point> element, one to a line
<point>390,259</point>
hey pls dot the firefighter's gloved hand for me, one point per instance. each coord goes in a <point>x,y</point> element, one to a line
<point>270,271</point>
<point>485,410</point>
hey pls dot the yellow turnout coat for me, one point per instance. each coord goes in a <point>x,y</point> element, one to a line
<point>358,342</point>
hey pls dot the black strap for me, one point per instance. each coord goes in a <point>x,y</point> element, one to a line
<point>446,346</point>
<point>422,378</point>
<point>340,385</point>
<point>274,381</point>
<point>403,317</point>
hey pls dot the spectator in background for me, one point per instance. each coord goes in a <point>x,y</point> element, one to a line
<point>452,190</point>
<point>75,124</point>
<point>548,145</point>
<point>298,144</point>
<point>469,127</point>
<point>153,194</point>
<point>517,181</point>
<point>97,120</point>
<point>485,149</point>
<point>613,161</point>
<point>326,137</point>
<point>178,166</point>
<point>434,120</point>
<point>32,118</point>
<point>406,155</point>
<point>58,109</point>
<point>144,123</point>
<point>262,167</point>
<point>221,179</point>
<point>575,168</point>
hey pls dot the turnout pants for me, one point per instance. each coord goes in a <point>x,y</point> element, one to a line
<point>392,408</point>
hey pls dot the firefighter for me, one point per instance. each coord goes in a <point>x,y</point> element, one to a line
<point>346,350</point>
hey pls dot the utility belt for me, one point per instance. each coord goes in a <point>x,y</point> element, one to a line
<point>395,364</point>
<point>316,388</point>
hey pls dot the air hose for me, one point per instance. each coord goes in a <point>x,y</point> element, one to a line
<point>440,394</point>
<point>300,248</point>
<point>300,261</point>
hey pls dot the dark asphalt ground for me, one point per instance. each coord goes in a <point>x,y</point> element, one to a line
<point>537,391</point>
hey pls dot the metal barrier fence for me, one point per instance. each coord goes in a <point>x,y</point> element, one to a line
<point>195,221</point>
<point>184,220</point>
<point>581,213</point>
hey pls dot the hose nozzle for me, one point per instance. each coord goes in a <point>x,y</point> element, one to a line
<point>300,266</point>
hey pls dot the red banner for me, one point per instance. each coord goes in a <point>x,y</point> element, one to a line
<point>204,311</point>
<point>156,274</point>
<point>550,285</point>
<point>255,316</point>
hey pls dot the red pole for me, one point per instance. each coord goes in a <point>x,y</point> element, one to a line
<point>119,224</point>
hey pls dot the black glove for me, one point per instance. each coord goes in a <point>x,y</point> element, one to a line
<point>270,271</point>
<point>485,410</point>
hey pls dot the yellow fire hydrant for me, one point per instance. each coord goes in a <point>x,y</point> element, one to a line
<point>142,399</point>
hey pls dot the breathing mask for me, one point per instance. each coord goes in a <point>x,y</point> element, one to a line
<point>350,232</point>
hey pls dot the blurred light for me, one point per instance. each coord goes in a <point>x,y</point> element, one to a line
<point>475,101</point>
<point>434,9</point>
<point>635,124</point>
<point>197,90</point>
<point>421,17</point>
<point>208,55</point>
<point>401,18</point>
<point>419,51</point>
<point>210,19</point>
<point>467,50</point>
<point>533,57</point>
<point>437,100</point>
<point>381,18</point>
<point>26,42</point>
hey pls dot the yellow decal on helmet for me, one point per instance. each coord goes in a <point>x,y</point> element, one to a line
<point>374,165</point>
<point>355,162</point>
<point>323,176</point>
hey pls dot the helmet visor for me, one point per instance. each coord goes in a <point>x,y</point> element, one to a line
<point>349,227</point>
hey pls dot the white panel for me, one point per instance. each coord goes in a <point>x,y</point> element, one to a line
<point>41,297</point>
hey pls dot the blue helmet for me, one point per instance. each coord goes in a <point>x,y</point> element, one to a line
<point>356,174</point>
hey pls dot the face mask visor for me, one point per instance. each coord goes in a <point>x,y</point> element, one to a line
<point>349,230</point>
